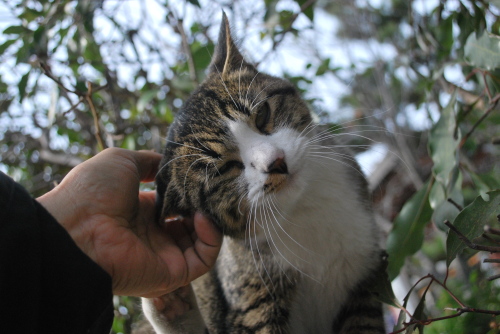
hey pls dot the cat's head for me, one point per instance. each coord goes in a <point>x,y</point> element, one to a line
<point>235,144</point>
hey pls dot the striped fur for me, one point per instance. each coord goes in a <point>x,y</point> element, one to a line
<point>300,245</point>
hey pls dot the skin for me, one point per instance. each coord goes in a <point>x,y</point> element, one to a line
<point>100,205</point>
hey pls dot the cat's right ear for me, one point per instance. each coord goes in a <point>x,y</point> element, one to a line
<point>226,57</point>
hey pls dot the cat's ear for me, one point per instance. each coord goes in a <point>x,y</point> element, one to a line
<point>226,57</point>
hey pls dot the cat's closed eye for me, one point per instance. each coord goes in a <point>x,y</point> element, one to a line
<point>230,165</point>
<point>262,118</point>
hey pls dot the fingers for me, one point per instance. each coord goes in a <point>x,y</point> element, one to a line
<point>147,164</point>
<point>206,248</point>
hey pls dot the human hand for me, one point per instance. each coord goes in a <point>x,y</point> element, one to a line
<point>100,205</point>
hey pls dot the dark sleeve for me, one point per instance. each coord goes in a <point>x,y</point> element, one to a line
<point>47,284</point>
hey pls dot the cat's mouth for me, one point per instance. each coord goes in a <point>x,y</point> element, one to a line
<point>275,182</point>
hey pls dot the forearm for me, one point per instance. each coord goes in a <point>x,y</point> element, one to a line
<point>46,283</point>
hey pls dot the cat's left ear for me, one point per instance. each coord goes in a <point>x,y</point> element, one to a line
<point>226,57</point>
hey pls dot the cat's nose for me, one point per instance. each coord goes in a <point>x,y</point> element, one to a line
<point>278,167</point>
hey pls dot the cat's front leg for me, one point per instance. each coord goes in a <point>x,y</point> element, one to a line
<point>174,313</point>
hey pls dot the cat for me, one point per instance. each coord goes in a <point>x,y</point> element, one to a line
<point>300,247</point>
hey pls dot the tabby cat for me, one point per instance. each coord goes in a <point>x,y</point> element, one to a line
<point>300,241</point>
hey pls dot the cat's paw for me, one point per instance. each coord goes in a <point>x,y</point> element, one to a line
<point>175,312</point>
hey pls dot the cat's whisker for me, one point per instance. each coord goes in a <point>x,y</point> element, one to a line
<point>194,148</point>
<point>364,146</point>
<point>310,127</point>
<point>282,216</point>
<point>260,255</point>
<point>261,101</point>
<point>249,229</point>
<point>250,86</point>
<point>352,133</point>
<point>179,157</point>
<point>337,135</point>
<point>243,195</point>
<point>206,173</point>
<point>342,157</point>
<point>215,166</point>
<point>339,125</point>
<point>255,98</point>
<point>187,171</point>
<point>267,223</point>
<point>340,162</point>
<point>195,137</point>
<point>225,87</point>
<point>288,235</point>
<point>288,261</point>
<point>333,150</point>
<point>239,79</point>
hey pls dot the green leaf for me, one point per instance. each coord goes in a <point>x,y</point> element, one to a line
<point>202,55</point>
<point>420,315</point>
<point>14,30</point>
<point>479,18</point>
<point>194,2</point>
<point>285,19</point>
<point>407,233</point>
<point>445,37</point>
<point>22,86</point>
<point>438,199</point>
<point>6,45</point>
<point>470,222</point>
<point>30,14</point>
<point>443,145</point>
<point>309,11</point>
<point>325,65</point>
<point>483,52</point>
<point>495,28</point>
<point>39,34</point>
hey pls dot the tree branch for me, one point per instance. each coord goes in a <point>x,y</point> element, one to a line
<point>97,130</point>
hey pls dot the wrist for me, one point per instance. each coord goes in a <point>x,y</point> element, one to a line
<point>61,207</point>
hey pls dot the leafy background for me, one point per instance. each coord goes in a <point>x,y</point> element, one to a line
<point>413,86</point>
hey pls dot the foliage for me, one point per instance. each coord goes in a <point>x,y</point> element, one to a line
<point>421,77</point>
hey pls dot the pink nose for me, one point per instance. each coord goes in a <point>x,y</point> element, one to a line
<point>278,167</point>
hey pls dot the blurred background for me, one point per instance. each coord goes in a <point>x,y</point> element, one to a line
<point>411,86</point>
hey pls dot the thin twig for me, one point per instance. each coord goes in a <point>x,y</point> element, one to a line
<point>458,206</point>
<point>491,261</point>
<point>469,243</point>
<point>46,70</point>
<point>487,237</point>
<point>459,311</point>
<point>178,24</point>
<point>494,277</point>
<point>74,106</point>
<point>97,133</point>
<point>489,229</point>
<point>486,87</point>
<point>493,104</point>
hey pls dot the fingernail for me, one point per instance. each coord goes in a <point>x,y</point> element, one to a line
<point>173,219</point>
